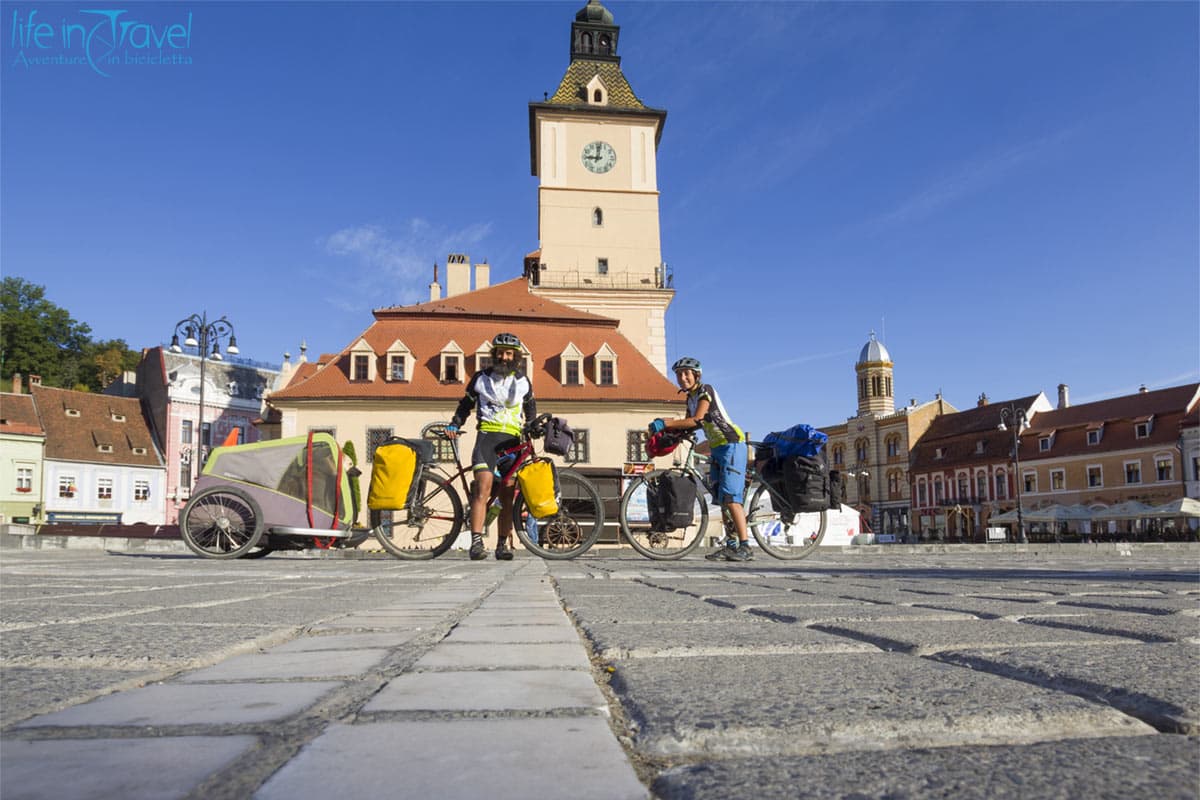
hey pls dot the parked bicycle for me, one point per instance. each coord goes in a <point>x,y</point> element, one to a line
<point>779,531</point>
<point>432,522</point>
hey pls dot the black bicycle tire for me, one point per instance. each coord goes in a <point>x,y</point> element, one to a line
<point>588,538</point>
<point>418,506</point>
<point>755,490</point>
<point>659,555</point>
<point>202,500</point>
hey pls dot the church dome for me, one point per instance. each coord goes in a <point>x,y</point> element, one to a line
<point>594,12</point>
<point>874,350</point>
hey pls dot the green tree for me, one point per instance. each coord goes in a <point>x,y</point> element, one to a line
<point>38,337</point>
<point>104,362</point>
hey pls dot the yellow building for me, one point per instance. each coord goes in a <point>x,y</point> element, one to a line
<point>872,447</point>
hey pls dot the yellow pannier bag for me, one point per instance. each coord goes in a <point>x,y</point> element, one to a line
<point>393,473</point>
<point>539,487</point>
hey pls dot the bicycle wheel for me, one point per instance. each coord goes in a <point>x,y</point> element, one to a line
<point>792,540</point>
<point>571,531</point>
<point>427,528</point>
<point>221,522</point>
<point>651,541</point>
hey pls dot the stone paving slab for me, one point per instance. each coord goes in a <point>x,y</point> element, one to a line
<point>647,605</point>
<point>348,641</point>
<point>25,691</point>
<point>747,637</point>
<point>1146,628</point>
<point>1161,767</point>
<point>125,646</point>
<point>488,656</point>
<point>103,769</point>
<point>365,622</point>
<point>499,690</point>
<point>516,759</point>
<point>515,616</point>
<point>830,702</point>
<point>1156,683</point>
<point>181,704</point>
<point>514,634</point>
<point>1134,605</point>
<point>921,638</point>
<point>278,666</point>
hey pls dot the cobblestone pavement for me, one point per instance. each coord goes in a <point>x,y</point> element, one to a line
<point>1013,672</point>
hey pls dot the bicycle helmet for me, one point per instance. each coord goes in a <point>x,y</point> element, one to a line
<point>662,443</point>
<point>506,341</point>
<point>686,363</point>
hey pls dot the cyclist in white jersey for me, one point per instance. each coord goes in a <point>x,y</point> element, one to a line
<point>502,398</point>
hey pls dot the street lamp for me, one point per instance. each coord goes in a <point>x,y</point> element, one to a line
<point>1019,424</point>
<point>206,337</point>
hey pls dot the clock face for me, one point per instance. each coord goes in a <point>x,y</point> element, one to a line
<point>599,156</point>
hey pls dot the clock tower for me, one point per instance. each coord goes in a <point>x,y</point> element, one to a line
<point>593,148</point>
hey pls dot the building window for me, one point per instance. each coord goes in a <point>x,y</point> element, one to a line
<point>376,437</point>
<point>862,388</point>
<point>104,489</point>
<point>443,449</point>
<point>938,494</point>
<point>981,482</point>
<point>938,452</point>
<point>1030,483</point>
<point>601,266</point>
<point>1141,430</point>
<point>607,373</point>
<point>1093,436</point>
<point>141,491</point>
<point>839,455</point>
<point>1095,476</point>
<point>396,369</point>
<point>1133,472</point>
<point>860,451</point>
<point>362,368</point>
<point>185,474</point>
<point>66,486</point>
<point>185,434</point>
<point>635,446</point>
<point>580,452</point>
<point>571,378</point>
<point>964,487</point>
<point>1001,486</point>
<point>893,446</point>
<point>893,485</point>
<point>24,479</point>
<point>483,362</point>
<point>1044,443</point>
<point>1162,467</point>
<point>206,434</point>
<point>921,493</point>
<point>1058,480</point>
<point>597,218</point>
<point>451,367</point>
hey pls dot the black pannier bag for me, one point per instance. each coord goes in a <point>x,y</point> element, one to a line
<point>559,437</point>
<point>770,469</point>
<point>807,482</point>
<point>671,500</point>
<point>835,489</point>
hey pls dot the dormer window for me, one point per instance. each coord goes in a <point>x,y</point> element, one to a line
<point>938,452</point>
<point>104,448</point>
<point>397,362</point>
<point>1143,427</point>
<point>451,364</point>
<point>571,366</point>
<point>117,417</point>
<point>233,388</point>
<point>606,366</point>
<point>362,362</point>
<point>597,94</point>
<point>1094,434</point>
<point>483,356</point>
<point>139,451</point>
<point>1045,443</point>
<point>979,447</point>
<point>72,412</point>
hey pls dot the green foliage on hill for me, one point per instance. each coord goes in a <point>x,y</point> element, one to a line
<point>37,337</point>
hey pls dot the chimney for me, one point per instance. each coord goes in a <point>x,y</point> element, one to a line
<point>16,383</point>
<point>483,275</point>
<point>458,274</point>
<point>36,380</point>
<point>983,400</point>
<point>1064,396</point>
<point>435,288</point>
<point>1141,389</point>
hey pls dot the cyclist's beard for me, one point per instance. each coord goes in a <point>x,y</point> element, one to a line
<point>504,368</point>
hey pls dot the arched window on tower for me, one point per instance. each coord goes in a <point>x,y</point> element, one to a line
<point>585,43</point>
<point>862,388</point>
<point>605,45</point>
<point>875,388</point>
<point>597,218</point>
<point>887,383</point>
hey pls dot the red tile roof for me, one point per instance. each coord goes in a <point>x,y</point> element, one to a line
<point>19,416</point>
<point>1130,407</point>
<point>76,438</point>
<point>471,319</point>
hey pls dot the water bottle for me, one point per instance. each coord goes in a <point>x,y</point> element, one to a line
<point>493,511</point>
<point>503,464</point>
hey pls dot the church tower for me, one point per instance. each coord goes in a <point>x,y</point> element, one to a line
<point>874,370</point>
<point>593,148</point>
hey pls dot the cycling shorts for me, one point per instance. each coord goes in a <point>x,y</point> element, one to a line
<point>487,447</point>
<point>727,473</point>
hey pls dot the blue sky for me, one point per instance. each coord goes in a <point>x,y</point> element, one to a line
<point>1007,193</point>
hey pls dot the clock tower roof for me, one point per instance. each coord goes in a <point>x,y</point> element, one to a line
<point>594,12</point>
